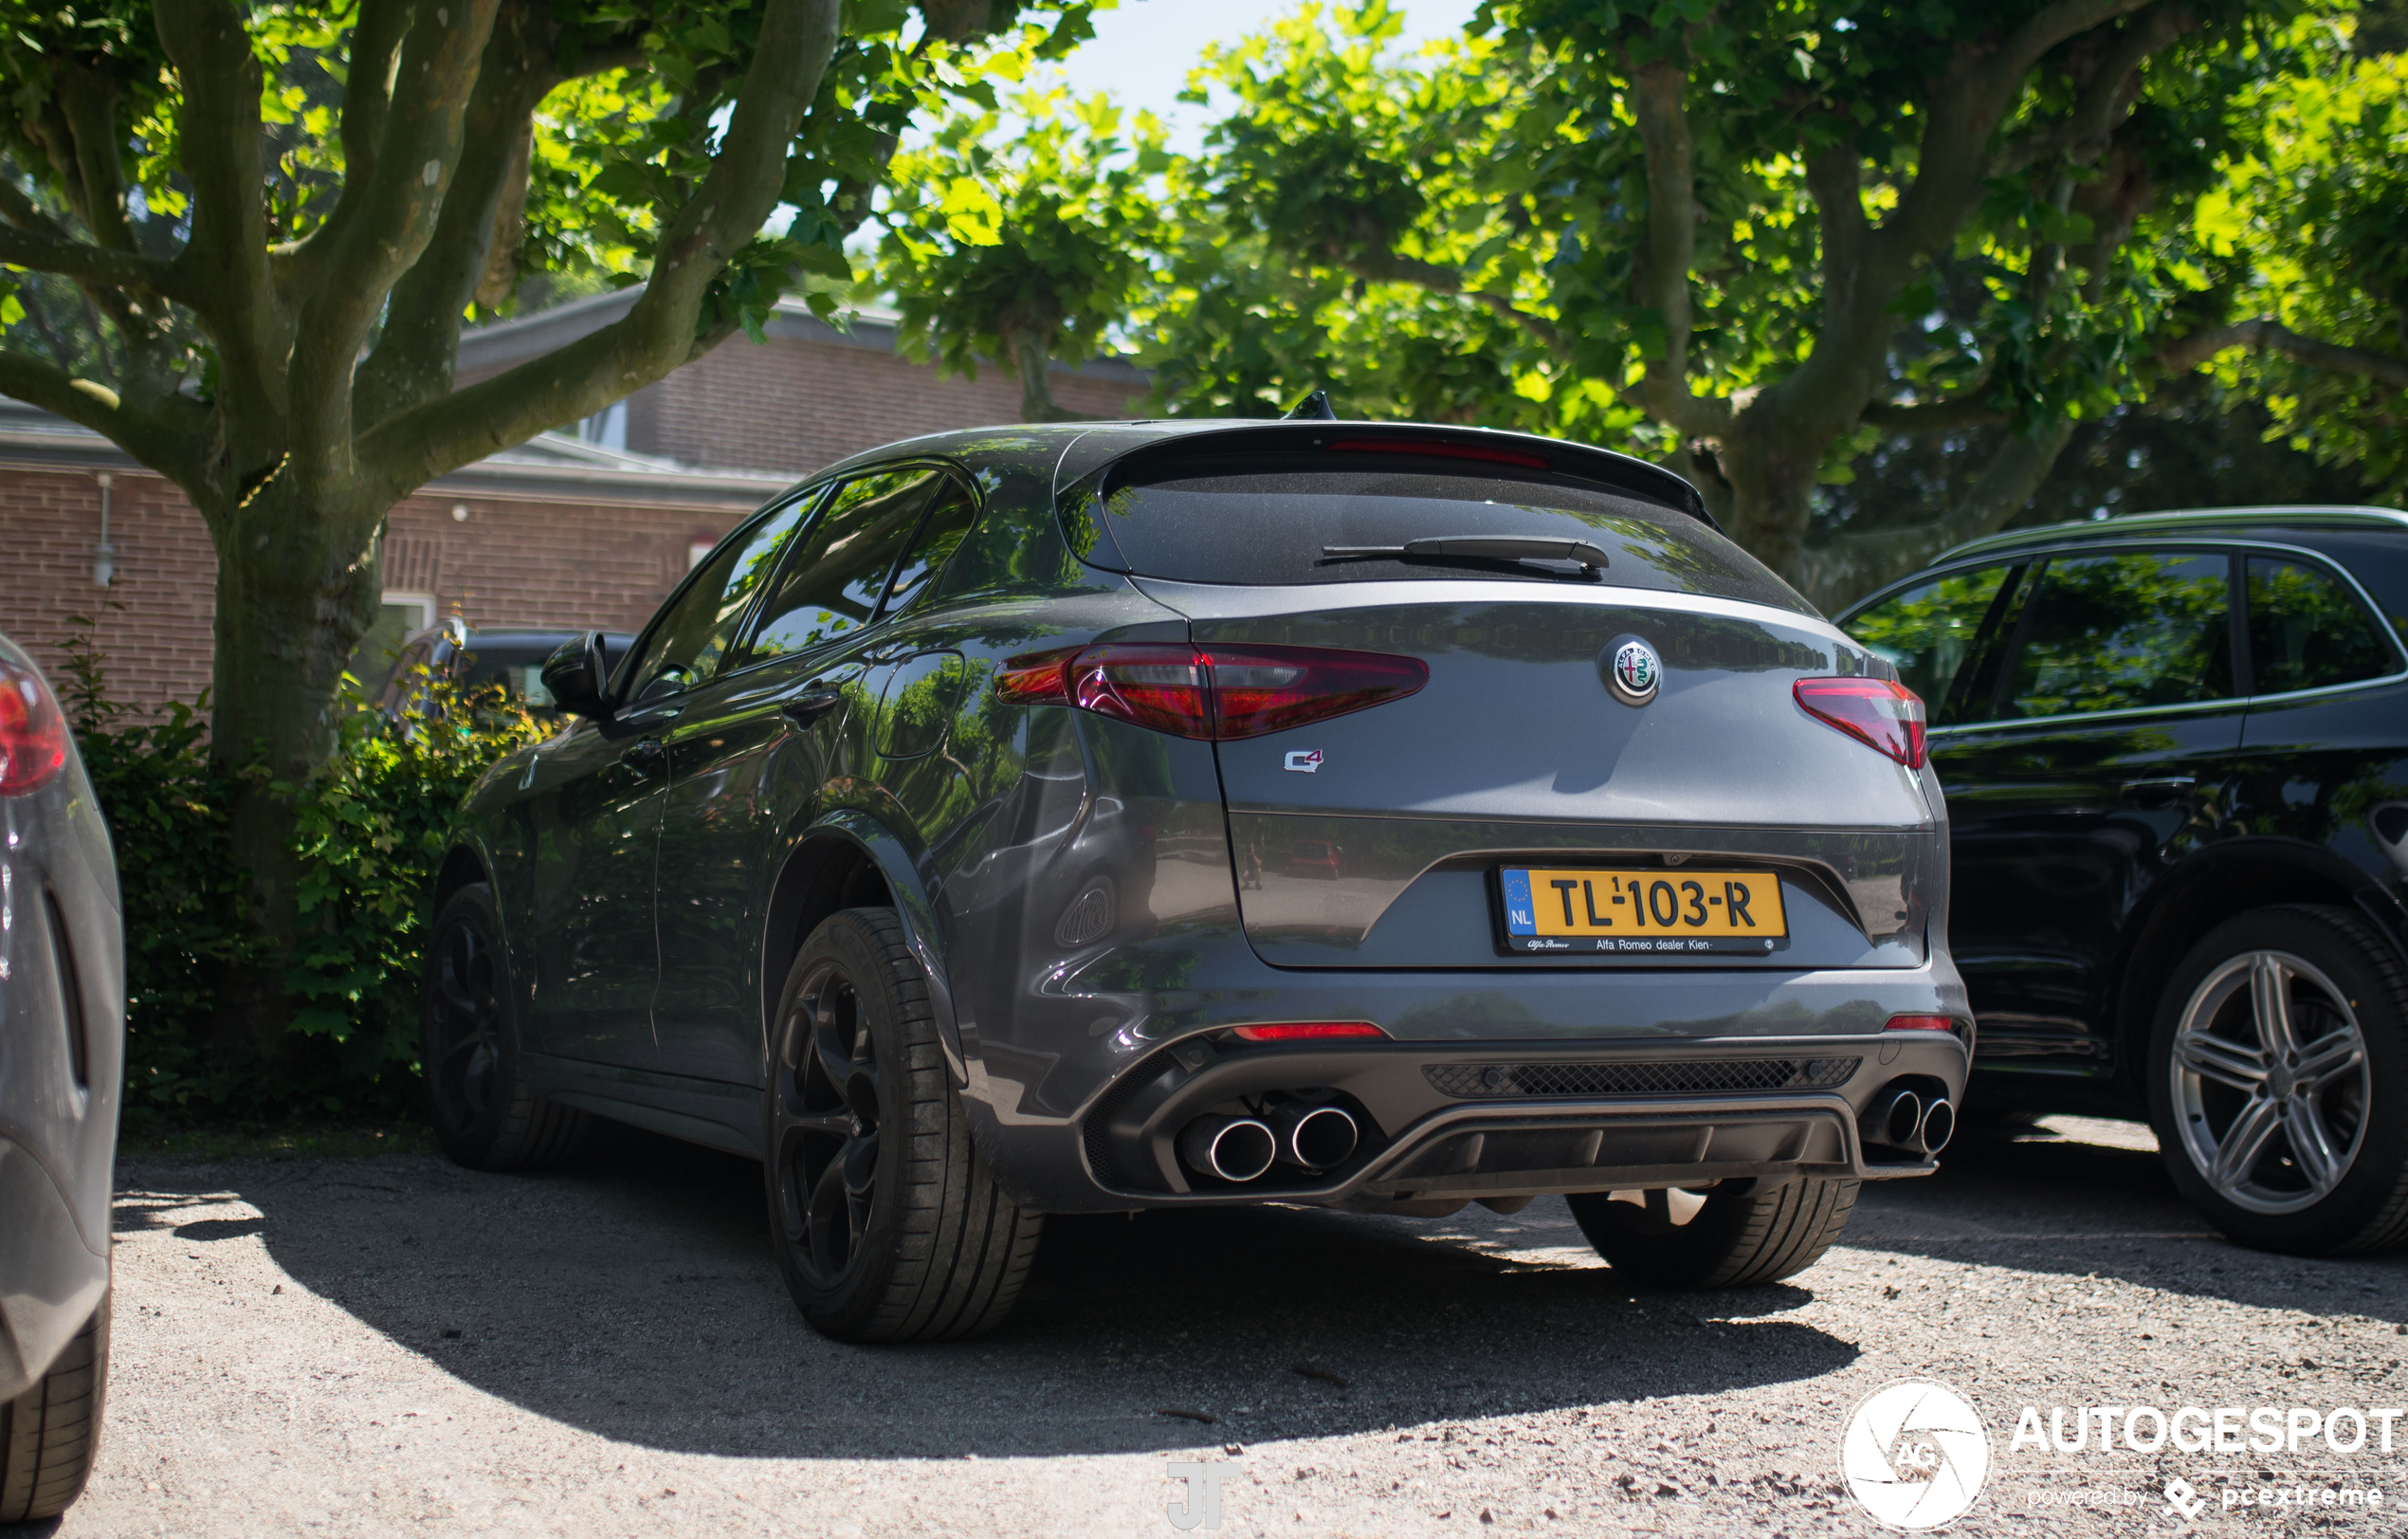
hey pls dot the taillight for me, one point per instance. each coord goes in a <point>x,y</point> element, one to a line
<point>1878,712</point>
<point>33,736</point>
<point>1308,1031</point>
<point>1212,692</point>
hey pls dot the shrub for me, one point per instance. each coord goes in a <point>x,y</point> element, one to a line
<point>373,829</point>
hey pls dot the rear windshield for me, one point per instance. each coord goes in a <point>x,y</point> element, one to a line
<point>1267,525</point>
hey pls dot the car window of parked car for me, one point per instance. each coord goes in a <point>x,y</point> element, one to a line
<point>1270,523</point>
<point>693,638</point>
<point>2307,631</point>
<point>840,567</point>
<point>941,534</point>
<point>1930,630</point>
<point>2120,631</point>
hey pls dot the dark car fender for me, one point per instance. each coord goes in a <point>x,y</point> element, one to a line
<point>2209,886</point>
<point>913,907</point>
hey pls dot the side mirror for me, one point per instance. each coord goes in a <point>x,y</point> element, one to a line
<point>578,678</point>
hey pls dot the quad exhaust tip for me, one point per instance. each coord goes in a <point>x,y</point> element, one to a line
<point>1316,1136</point>
<point>1234,1148</point>
<point>1939,1124</point>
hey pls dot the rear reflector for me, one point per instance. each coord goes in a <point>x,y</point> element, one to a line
<point>1443,449</point>
<point>33,734</point>
<point>1876,712</point>
<point>1922,1023</point>
<point>1210,692</point>
<point>1308,1031</point>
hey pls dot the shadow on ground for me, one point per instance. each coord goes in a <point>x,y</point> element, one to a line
<point>633,1296</point>
<point>2031,1201</point>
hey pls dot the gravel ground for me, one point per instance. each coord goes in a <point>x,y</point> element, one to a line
<point>395,1345</point>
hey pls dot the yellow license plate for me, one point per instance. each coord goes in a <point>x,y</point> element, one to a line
<point>1656,911</point>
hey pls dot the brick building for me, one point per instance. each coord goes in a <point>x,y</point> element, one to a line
<point>589,528</point>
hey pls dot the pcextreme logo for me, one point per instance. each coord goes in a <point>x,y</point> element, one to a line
<point>1914,1454</point>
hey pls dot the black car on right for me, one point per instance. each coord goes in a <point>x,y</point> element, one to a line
<point>2174,753</point>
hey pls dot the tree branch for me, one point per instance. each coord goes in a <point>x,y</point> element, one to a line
<point>1388,268</point>
<point>416,445</point>
<point>2188,353</point>
<point>1662,276</point>
<point>376,59</point>
<point>1948,415</point>
<point>2082,136</point>
<point>1839,571</point>
<point>387,230</point>
<point>84,262</point>
<point>164,443</point>
<point>224,265</point>
<point>419,347</point>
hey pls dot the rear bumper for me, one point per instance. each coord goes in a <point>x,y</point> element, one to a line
<point>51,1280</point>
<point>1453,1120</point>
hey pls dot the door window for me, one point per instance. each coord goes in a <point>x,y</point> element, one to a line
<point>840,568</point>
<point>2307,631</point>
<point>1930,630</point>
<point>2124,630</point>
<point>692,639</point>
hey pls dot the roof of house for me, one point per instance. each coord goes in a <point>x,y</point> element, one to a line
<point>549,467</point>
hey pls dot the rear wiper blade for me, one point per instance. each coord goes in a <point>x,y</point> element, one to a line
<point>1478,548</point>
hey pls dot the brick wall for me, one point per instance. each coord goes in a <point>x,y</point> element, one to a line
<point>512,561</point>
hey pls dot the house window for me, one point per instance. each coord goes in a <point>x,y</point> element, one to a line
<point>606,429</point>
<point>399,618</point>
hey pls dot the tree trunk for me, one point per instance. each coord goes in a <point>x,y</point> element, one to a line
<point>297,588</point>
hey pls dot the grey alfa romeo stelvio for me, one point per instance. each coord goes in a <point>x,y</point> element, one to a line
<point>1096,817</point>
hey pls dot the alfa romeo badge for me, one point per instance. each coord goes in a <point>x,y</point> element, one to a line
<point>1632,670</point>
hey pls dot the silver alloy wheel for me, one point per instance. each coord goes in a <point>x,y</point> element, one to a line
<point>2271,1082</point>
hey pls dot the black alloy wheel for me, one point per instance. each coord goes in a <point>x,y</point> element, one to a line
<point>828,1169</point>
<point>885,1223</point>
<point>484,1115</point>
<point>463,1028</point>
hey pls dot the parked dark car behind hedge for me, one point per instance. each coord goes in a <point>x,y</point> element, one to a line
<point>2174,749</point>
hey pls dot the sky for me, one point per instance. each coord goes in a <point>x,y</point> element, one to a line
<point>1144,50</point>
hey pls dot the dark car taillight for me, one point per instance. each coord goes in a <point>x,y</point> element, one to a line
<point>1213,693</point>
<point>1877,712</point>
<point>33,734</point>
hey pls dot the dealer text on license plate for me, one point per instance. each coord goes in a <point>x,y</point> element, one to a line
<point>1652,911</point>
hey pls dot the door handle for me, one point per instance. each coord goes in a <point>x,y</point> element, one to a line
<point>808,707</point>
<point>2159,790</point>
<point>647,753</point>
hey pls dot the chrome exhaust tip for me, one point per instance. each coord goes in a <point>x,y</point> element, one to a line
<point>1316,1136</point>
<point>1893,1118</point>
<point>1939,1123</point>
<point>1234,1148</point>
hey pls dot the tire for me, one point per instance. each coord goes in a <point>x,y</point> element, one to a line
<point>1742,1234</point>
<point>477,1095</point>
<point>2279,1148</point>
<point>51,1434</point>
<point>885,1221</point>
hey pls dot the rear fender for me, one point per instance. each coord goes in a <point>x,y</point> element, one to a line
<point>916,910</point>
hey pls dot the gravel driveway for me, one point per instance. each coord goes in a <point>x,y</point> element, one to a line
<point>395,1345</point>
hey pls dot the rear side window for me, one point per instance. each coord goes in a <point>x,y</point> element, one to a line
<point>1929,631</point>
<point>2307,631</point>
<point>1267,524</point>
<point>2122,632</point>
<point>941,534</point>
<point>840,568</point>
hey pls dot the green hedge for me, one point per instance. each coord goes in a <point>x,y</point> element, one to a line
<point>372,831</point>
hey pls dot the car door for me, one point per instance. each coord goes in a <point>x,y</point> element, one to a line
<point>2326,698</point>
<point>2094,747</point>
<point>752,755</point>
<point>597,810</point>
